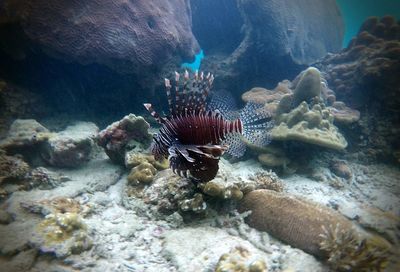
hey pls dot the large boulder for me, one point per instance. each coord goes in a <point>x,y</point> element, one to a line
<point>128,36</point>
<point>278,39</point>
<point>71,147</point>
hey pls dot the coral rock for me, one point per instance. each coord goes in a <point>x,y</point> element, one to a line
<point>317,230</point>
<point>129,37</point>
<point>240,260</point>
<point>71,147</point>
<point>341,169</point>
<point>308,86</point>
<point>116,137</point>
<point>134,158</point>
<point>43,178</point>
<point>301,125</point>
<point>343,114</point>
<point>272,160</point>
<point>295,221</point>
<point>142,174</point>
<point>12,168</point>
<point>24,133</point>
<point>62,234</point>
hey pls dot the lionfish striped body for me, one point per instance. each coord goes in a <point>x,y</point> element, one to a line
<point>195,135</point>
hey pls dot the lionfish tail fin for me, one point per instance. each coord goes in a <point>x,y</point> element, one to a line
<point>257,123</point>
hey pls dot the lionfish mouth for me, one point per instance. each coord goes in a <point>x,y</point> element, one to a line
<point>195,134</point>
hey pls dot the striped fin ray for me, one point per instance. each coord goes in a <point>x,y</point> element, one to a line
<point>153,113</point>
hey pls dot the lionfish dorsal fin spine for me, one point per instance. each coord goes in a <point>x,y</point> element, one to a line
<point>168,91</point>
<point>153,113</point>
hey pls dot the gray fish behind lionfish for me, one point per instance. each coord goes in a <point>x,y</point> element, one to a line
<point>196,134</point>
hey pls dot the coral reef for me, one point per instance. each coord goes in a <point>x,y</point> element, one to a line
<point>62,234</point>
<point>167,194</point>
<point>71,147</point>
<point>240,260</point>
<point>311,125</point>
<point>366,69</point>
<point>304,224</point>
<point>137,37</point>
<point>227,186</point>
<point>364,76</point>
<point>12,168</point>
<point>304,110</point>
<point>142,174</point>
<point>123,135</point>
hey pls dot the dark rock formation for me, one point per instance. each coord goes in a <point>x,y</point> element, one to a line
<point>365,76</point>
<point>279,38</point>
<point>129,37</point>
<point>217,25</point>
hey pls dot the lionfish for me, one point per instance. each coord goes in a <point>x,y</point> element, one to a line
<point>197,132</point>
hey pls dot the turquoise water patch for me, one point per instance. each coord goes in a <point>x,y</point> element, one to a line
<point>195,65</point>
<point>355,12</point>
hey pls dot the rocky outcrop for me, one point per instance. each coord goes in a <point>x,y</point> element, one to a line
<point>277,40</point>
<point>129,37</point>
<point>71,147</point>
<point>131,132</point>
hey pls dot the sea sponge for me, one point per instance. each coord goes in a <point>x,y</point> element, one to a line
<point>313,126</point>
<point>307,225</point>
<point>142,174</point>
<point>240,259</point>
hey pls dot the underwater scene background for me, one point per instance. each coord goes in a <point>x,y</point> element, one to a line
<point>188,135</point>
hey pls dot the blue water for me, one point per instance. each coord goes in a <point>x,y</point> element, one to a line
<point>195,65</point>
<point>356,11</point>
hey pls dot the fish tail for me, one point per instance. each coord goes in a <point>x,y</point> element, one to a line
<point>257,123</point>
